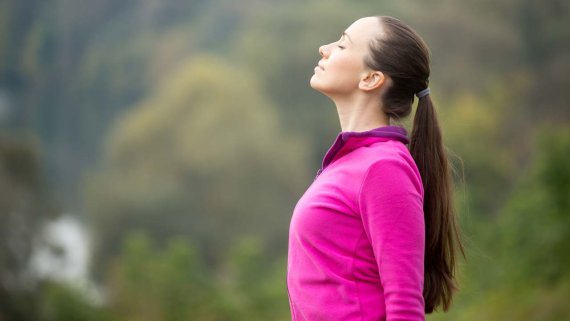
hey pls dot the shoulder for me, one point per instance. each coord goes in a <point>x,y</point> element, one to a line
<point>386,149</point>
<point>393,169</point>
<point>390,154</point>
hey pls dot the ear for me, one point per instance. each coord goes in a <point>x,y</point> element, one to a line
<point>372,80</point>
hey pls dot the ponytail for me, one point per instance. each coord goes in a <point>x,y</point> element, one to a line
<point>442,230</point>
<point>402,54</point>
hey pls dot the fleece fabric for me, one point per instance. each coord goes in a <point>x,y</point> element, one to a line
<point>357,235</point>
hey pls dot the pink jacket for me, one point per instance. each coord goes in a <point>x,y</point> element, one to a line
<point>357,235</point>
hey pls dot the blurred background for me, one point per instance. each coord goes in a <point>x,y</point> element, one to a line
<point>152,151</point>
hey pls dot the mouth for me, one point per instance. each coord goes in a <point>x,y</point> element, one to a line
<point>320,67</point>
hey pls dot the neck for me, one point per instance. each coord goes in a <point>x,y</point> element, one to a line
<point>360,113</point>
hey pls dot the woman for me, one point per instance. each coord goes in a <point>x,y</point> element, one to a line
<point>375,236</point>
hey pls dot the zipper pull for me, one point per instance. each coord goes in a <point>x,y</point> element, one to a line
<point>318,173</point>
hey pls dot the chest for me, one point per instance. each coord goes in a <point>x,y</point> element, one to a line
<point>328,212</point>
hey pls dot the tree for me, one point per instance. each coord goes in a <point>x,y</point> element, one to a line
<point>203,157</point>
<point>25,206</point>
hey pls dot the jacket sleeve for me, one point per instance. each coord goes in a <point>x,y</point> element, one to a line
<point>391,205</point>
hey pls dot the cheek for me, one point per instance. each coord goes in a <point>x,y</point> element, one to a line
<point>349,64</point>
<point>348,68</point>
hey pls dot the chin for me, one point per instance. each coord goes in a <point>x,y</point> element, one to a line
<point>315,84</point>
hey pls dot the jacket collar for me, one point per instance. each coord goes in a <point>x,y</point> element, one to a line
<point>346,142</point>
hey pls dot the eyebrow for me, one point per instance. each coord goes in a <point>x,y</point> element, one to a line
<point>346,34</point>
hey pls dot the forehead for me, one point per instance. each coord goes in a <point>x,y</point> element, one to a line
<point>363,30</point>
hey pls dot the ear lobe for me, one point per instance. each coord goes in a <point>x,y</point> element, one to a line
<point>373,80</point>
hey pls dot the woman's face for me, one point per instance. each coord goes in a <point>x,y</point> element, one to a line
<point>342,66</point>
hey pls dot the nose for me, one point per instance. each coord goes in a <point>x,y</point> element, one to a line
<point>323,50</point>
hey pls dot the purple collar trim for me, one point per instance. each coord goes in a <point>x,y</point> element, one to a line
<point>347,141</point>
<point>393,132</point>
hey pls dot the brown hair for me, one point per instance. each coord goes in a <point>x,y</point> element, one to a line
<point>401,54</point>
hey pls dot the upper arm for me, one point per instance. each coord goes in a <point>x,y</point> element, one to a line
<point>391,206</point>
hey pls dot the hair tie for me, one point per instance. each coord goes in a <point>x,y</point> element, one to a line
<point>423,93</point>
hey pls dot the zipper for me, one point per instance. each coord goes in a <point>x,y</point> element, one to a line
<point>331,153</point>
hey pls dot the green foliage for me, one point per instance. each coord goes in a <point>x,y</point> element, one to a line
<point>215,133</point>
<point>254,284</point>
<point>62,302</point>
<point>474,130</point>
<point>204,156</point>
<point>536,216</point>
<point>553,172</point>
<point>520,269</point>
<point>25,206</point>
<point>505,303</point>
<point>148,283</point>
